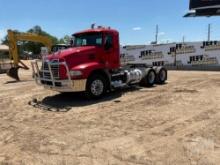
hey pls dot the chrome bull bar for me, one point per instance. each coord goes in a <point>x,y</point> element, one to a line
<point>38,74</point>
<point>67,85</point>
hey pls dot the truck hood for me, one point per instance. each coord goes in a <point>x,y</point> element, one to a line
<point>72,52</point>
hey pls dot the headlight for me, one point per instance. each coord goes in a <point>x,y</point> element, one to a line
<point>74,73</point>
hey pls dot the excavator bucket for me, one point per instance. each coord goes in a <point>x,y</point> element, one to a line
<point>13,73</point>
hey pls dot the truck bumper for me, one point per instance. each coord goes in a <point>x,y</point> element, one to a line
<point>48,79</point>
<point>73,86</point>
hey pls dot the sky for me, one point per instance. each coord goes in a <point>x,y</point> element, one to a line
<point>136,20</point>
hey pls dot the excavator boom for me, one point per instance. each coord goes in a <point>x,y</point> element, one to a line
<point>13,38</point>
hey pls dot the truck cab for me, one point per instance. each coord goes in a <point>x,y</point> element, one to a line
<point>90,65</point>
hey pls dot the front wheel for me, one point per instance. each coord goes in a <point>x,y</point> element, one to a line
<point>96,87</point>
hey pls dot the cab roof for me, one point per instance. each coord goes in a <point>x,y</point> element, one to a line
<point>98,30</point>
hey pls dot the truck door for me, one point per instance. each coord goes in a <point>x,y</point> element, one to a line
<point>110,51</point>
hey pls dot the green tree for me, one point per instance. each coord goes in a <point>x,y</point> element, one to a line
<point>34,46</point>
<point>65,40</point>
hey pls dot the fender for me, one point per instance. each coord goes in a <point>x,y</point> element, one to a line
<point>88,68</point>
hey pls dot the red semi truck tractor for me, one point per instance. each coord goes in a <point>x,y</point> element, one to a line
<point>92,65</point>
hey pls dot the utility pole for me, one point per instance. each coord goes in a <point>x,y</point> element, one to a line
<point>209,32</point>
<point>175,54</point>
<point>183,39</point>
<point>156,36</point>
<point>183,42</point>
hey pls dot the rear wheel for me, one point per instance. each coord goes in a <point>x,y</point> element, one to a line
<point>149,79</point>
<point>96,87</point>
<point>161,75</point>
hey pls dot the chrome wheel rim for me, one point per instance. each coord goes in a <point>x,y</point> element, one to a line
<point>97,87</point>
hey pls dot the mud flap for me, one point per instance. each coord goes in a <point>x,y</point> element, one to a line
<point>13,73</point>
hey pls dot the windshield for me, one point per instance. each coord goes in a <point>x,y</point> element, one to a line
<point>88,39</point>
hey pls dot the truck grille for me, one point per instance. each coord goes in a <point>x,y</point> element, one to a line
<point>54,68</point>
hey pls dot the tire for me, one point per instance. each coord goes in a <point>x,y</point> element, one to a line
<point>96,87</point>
<point>161,75</point>
<point>149,79</point>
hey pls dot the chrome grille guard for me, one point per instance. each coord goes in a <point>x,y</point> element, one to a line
<point>48,74</point>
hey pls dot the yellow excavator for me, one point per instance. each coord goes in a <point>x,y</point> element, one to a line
<point>13,38</point>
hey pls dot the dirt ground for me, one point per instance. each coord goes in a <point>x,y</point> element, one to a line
<point>176,123</point>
